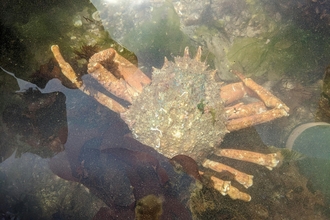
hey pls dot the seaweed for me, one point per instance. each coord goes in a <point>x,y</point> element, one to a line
<point>86,51</point>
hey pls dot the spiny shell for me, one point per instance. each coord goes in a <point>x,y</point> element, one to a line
<point>180,112</point>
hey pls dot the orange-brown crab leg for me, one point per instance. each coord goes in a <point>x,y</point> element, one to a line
<point>269,115</point>
<point>232,92</point>
<point>72,76</point>
<point>268,160</point>
<point>117,87</point>
<point>241,110</point>
<point>67,70</point>
<point>225,188</point>
<point>131,74</point>
<point>259,113</point>
<point>243,178</point>
<point>243,116</point>
<point>267,97</point>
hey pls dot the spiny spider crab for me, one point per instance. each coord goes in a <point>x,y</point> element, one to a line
<point>181,111</point>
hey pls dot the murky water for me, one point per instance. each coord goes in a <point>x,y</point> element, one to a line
<point>65,155</point>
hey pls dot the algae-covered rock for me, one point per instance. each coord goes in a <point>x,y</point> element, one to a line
<point>289,50</point>
<point>69,24</point>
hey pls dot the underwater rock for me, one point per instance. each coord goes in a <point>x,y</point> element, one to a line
<point>313,15</point>
<point>30,190</point>
<point>24,118</point>
<point>287,50</point>
<point>323,113</point>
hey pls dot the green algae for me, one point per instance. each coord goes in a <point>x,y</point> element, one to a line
<point>149,208</point>
<point>288,50</point>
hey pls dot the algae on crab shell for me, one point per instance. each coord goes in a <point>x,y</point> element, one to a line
<point>289,50</point>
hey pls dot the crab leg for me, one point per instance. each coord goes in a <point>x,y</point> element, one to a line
<point>244,116</point>
<point>268,98</point>
<point>268,160</point>
<point>117,87</point>
<point>131,74</point>
<point>232,92</point>
<point>243,178</point>
<point>104,99</point>
<point>72,76</point>
<point>67,70</point>
<point>241,110</point>
<point>240,123</point>
<point>225,188</point>
<point>251,115</point>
